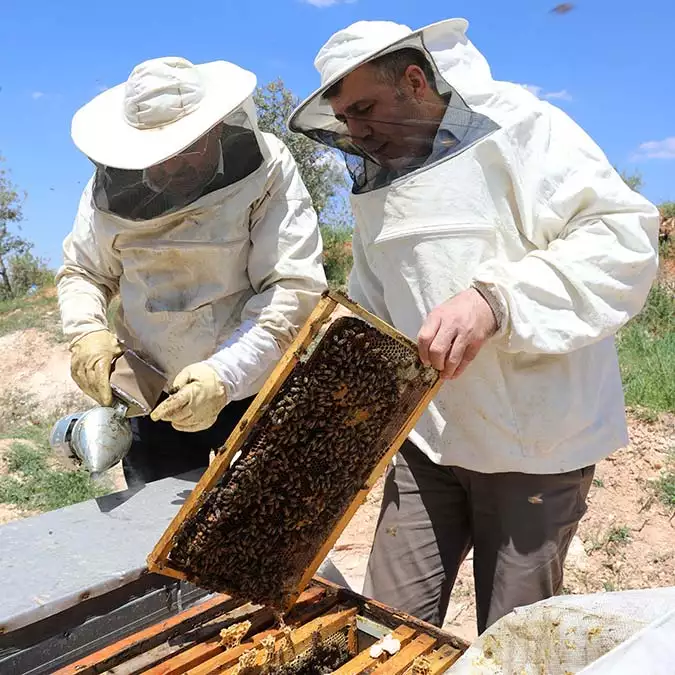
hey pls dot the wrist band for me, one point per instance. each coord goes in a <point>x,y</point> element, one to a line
<point>492,301</point>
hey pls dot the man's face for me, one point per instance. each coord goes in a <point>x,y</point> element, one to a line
<point>392,123</point>
<point>190,170</point>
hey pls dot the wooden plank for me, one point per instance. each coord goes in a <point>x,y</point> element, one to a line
<point>141,663</point>
<point>149,637</point>
<point>311,602</point>
<point>400,662</point>
<point>391,617</point>
<point>157,560</point>
<point>441,659</point>
<point>223,661</point>
<point>301,637</point>
<point>324,625</point>
<point>203,651</point>
<point>185,641</point>
<point>364,661</point>
<point>356,503</point>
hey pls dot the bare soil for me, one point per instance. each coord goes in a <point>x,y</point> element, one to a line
<point>31,363</point>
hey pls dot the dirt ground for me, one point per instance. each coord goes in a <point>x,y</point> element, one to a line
<point>626,540</point>
<point>32,365</point>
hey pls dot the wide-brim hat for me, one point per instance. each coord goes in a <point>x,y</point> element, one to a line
<point>355,45</point>
<point>163,108</point>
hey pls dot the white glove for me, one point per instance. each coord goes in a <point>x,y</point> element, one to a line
<point>198,395</point>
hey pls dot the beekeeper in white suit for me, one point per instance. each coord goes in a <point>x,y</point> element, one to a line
<point>490,227</point>
<point>204,227</point>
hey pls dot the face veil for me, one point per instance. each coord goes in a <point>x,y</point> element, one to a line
<point>225,155</point>
<point>416,144</point>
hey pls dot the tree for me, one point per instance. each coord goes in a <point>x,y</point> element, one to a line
<point>320,174</point>
<point>10,244</point>
<point>632,180</point>
<point>667,210</point>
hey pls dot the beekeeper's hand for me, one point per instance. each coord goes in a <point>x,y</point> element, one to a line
<point>197,397</point>
<point>454,332</point>
<point>91,362</point>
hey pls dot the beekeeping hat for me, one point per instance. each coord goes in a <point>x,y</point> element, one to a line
<point>163,108</point>
<point>447,51</point>
<point>355,45</point>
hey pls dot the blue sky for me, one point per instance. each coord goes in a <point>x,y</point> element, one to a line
<point>608,63</point>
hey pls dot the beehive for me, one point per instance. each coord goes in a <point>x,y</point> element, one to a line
<point>329,630</point>
<point>276,498</point>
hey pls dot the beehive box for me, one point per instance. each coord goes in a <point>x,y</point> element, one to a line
<point>288,480</point>
<point>329,630</point>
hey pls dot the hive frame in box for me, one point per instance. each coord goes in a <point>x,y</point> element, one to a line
<point>192,641</point>
<point>158,560</point>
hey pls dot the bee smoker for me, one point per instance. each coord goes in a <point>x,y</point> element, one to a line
<point>101,437</point>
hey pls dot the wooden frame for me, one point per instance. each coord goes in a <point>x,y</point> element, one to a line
<point>389,616</point>
<point>158,558</point>
<point>301,639</point>
<point>364,662</point>
<point>193,632</point>
<point>189,642</point>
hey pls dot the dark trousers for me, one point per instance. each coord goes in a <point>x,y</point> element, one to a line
<point>158,450</point>
<point>519,525</point>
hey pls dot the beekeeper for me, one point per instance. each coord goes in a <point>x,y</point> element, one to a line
<point>490,227</point>
<point>203,226</point>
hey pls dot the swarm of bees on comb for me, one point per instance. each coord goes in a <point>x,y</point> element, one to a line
<point>304,461</point>
<point>324,656</point>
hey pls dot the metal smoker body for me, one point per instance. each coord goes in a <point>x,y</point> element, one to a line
<point>101,437</point>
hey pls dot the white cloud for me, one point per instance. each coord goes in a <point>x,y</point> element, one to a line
<point>37,95</point>
<point>327,3</point>
<point>532,88</point>
<point>664,149</point>
<point>562,95</point>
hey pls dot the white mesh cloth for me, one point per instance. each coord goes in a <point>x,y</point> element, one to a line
<point>566,634</point>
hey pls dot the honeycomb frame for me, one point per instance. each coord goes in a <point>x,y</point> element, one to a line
<point>265,411</point>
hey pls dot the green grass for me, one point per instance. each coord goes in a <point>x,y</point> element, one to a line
<point>34,485</point>
<point>598,482</point>
<point>34,480</point>
<point>40,311</point>
<point>619,535</point>
<point>647,354</point>
<point>665,486</point>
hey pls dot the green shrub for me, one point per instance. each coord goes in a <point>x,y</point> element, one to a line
<point>646,348</point>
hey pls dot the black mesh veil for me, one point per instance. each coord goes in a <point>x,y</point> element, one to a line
<point>225,155</point>
<point>456,127</point>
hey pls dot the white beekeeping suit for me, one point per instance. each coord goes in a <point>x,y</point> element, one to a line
<point>226,275</point>
<point>523,205</point>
